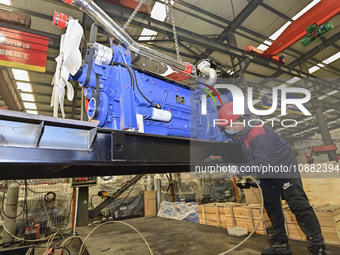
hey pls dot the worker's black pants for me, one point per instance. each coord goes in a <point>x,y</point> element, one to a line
<point>296,198</point>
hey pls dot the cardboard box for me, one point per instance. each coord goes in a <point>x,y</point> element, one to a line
<point>150,203</point>
<point>253,196</point>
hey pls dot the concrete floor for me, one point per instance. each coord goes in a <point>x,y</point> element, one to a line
<point>174,237</point>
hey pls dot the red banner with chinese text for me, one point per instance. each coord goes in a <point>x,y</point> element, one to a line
<point>23,50</point>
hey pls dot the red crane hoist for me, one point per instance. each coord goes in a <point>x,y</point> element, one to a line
<point>316,16</point>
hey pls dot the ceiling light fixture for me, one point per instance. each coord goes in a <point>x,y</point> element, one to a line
<point>20,75</point>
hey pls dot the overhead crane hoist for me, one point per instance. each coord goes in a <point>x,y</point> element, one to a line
<point>310,26</point>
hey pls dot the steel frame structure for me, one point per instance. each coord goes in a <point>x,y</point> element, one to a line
<point>40,146</point>
<point>234,26</point>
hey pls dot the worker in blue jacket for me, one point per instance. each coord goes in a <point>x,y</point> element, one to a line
<point>272,159</point>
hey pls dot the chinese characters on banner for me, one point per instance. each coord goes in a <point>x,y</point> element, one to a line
<point>23,50</point>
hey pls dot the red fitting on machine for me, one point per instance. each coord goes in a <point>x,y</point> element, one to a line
<point>188,68</point>
<point>70,2</point>
<point>60,19</point>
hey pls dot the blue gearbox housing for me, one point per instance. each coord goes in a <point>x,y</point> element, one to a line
<point>135,100</point>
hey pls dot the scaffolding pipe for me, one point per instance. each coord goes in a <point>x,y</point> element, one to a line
<point>102,19</point>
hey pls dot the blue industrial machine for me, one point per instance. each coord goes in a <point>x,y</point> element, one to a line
<point>122,97</point>
<point>140,114</point>
<point>134,100</point>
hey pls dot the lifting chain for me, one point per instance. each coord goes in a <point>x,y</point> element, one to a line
<point>132,16</point>
<point>171,19</point>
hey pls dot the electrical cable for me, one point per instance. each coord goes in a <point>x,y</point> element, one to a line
<point>49,241</point>
<point>69,253</point>
<point>48,238</point>
<point>34,191</point>
<point>48,216</point>
<point>91,203</point>
<point>65,245</point>
<point>82,248</point>
<point>23,208</point>
<point>48,198</point>
<point>134,82</point>
<point>23,239</point>
<point>71,237</point>
<point>257,225</point>
<point>129,70</point>
<point>126,196</point>
<point>58,242</point>
<point>152,104</point>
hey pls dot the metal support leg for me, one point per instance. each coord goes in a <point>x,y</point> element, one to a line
<point>83,214</point>
<point>318,111</point>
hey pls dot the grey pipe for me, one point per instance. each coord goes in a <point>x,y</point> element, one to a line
<point>102,19</point>
<point>158,188</point>
<point>11,211</point>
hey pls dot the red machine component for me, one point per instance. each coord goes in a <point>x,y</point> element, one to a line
<point>257,51</point>
<point>319,150</point>
<point>53,251</point>
<point>319,14</point>
<point>131,4</point>
<point>71,2</point>
<point>32,232</point>
<point>83,181</point>
<point>323,149</point>
<point>60,19</point>
<point>254,50</point>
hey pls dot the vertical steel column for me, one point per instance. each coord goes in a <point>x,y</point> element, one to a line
<point>83,213</point>
<point>235,61</point>
<point>158,188</point>
<point>318,111</point>
<point>11,212</point>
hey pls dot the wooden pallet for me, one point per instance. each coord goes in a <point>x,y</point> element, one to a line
<point>322,189</point>
<point>329,218</point>
<point>227,215</point>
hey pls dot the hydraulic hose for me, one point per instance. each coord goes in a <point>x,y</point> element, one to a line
<point>257,225</point>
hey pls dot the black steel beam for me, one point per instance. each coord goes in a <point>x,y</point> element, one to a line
<point>197,39</point>
<point>236,23</point>
<point>248,31</point>
<point>288,51</point>
<point>276,12</point>
<point>70,148</point>
<point>241,17</point>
